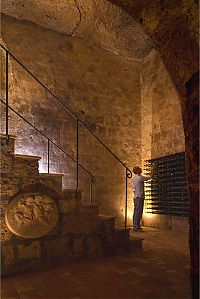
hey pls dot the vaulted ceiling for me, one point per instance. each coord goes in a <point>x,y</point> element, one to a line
<point>97,21</point>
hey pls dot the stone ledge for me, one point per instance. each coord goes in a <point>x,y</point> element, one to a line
<point>71,190</point>
<point>89,205</point>
<point>28,157</point>
<point>51,174</point>
<point>106,217</point>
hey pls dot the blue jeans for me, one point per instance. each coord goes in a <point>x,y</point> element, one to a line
<point>138,210</point>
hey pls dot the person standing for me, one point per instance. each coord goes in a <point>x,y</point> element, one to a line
<point>138,187</point>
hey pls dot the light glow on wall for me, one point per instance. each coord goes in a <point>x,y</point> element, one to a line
<point>149,214</point>
<point>26,151</point>
<point>42,168</point>
<point>130,215</point>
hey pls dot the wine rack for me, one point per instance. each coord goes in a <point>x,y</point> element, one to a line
<point>167,192</point>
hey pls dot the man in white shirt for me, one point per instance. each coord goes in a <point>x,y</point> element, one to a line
<point>138,187</point>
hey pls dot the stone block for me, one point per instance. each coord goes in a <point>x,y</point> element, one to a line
<point>106,224</point>
<point>78,246</point>
<point>53,181</point>
<point>71,224</point>
<point>71,194</point>
<point>79,224</point>
<point>25,167</point>
<point>29,180</point>
<point>58,247</point>
<point>7,144</point>
<point>9,185</point>
<point>7,254</point>
<point>6,164</point>
<point>89,224</point>
<point>69,206</point>
<point>93,246</point>
<point>90,209</point>
<point>29,251</point>
<point>121,237</point>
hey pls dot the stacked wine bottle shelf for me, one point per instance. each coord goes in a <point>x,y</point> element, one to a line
<point>167,192</point>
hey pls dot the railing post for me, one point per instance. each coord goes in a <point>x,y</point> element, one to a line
<point>128,176</point>
<point>77,153</point>
<point>6,92</point>
<point>90,189</point>
<point>48,150</point>
<point>92,181</point>
<point>125,224</point>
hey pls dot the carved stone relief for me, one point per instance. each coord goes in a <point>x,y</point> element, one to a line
<point>31,215</point>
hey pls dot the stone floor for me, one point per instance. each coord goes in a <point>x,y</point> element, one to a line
<point>161,271</point>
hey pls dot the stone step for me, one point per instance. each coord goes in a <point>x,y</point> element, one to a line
<point>119,241</point>
<point>80,218</point>
<point>26,166</point>
<point>70,201</point>
<point>115,241</point>
<point>71,194</point>
<point>17,172</point>
<point>27,157</point>
<point>90,209</point>
<point>136,244</point>
<point>52,180</point>
<point>106,224</point>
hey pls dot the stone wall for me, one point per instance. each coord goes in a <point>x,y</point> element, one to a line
<point>102,89</point>
<point>162,127</point>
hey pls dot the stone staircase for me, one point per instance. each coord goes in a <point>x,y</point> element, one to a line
<point>79,230</point>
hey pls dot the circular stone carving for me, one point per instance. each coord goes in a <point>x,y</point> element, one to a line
<point>31,215</point>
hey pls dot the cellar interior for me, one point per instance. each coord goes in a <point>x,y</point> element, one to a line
<point>89,90</point>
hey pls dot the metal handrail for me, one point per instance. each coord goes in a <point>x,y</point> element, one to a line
<point>64,106</point>
<point>49,140</point>
<point>128,172</point>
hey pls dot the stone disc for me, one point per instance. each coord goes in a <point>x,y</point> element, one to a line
<point>31,215</point>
